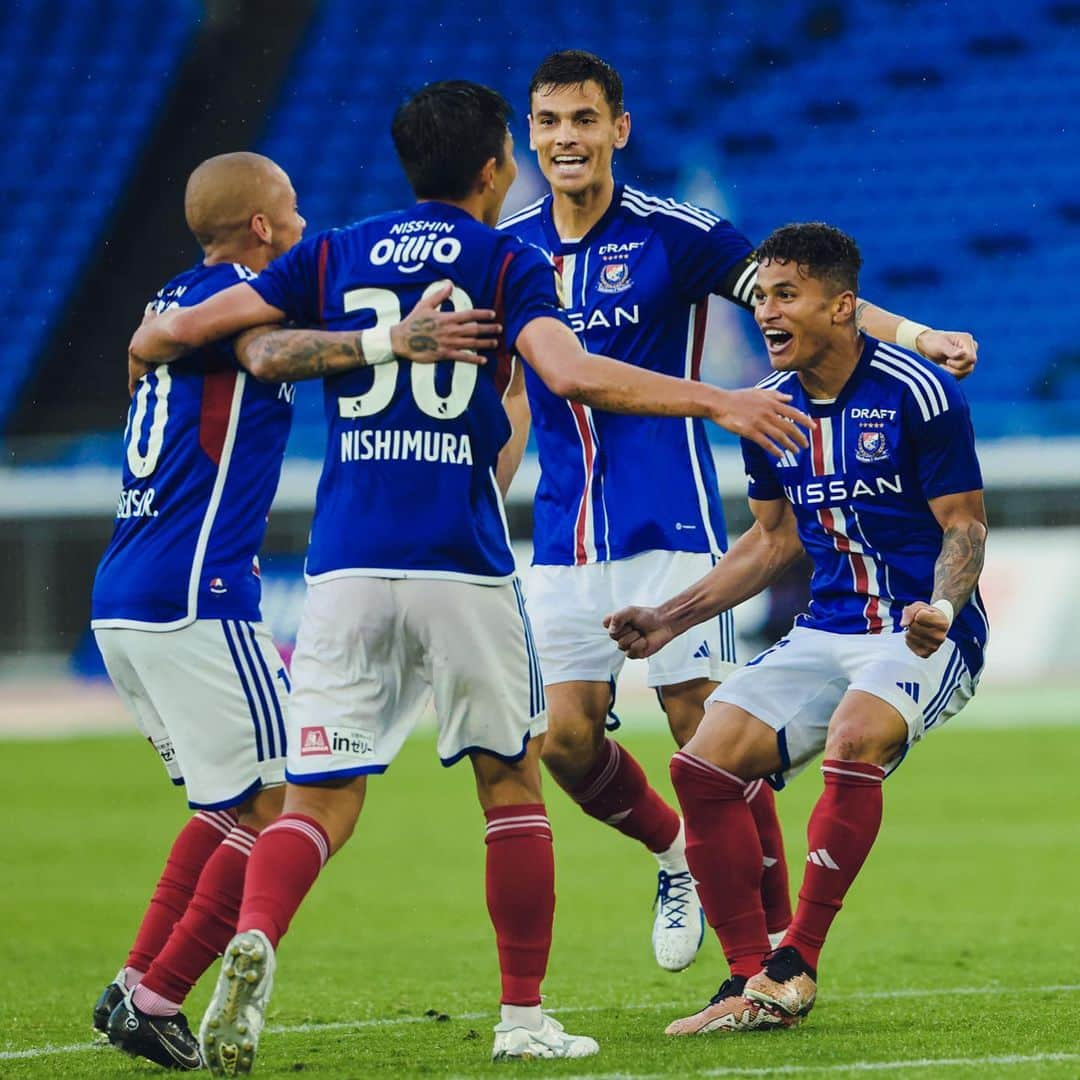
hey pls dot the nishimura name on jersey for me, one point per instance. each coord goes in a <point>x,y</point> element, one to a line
<point>396,445</point>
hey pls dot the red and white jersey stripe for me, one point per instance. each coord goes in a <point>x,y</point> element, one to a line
<point>584,541</point>
<point>867,572</point>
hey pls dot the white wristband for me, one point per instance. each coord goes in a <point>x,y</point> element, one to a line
<point>946,608</point>
<point>376,345</point>
<point>907,334</point>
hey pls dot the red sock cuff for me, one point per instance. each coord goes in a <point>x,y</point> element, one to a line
<point>600,775</point>
<point>856,773</point>
<point>687,769</point>
<point>221,820</point>
<point>306,827</point>
<point>523,819</point>
<point>241,838</point>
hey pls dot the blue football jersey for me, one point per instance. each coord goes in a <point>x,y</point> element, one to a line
<point>408,486</point>
<point>898,435</point>
<point>636,288</point>
<point>202,457</point>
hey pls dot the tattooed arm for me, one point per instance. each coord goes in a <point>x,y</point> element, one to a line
<point>426,335</point>
<point>962,518</point>
<point>954,350</point>
<point>275,355</point>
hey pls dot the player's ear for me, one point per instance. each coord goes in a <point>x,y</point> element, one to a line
<point>486,178</point>
<point>622,130</point>
<point>261,227</point>
<point>532,145</point>
<point>844,307</point>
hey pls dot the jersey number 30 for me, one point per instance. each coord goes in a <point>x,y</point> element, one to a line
<point>387,308</point>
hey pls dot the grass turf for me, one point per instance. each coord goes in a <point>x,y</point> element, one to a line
<point>957,951</point>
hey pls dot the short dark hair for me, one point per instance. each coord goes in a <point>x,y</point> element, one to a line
<point>575,67</point>
<point>445,132</point>
<point>820,250</point>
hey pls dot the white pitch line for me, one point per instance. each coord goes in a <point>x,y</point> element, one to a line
<point>843,1067</point>
<point>645,1006</point>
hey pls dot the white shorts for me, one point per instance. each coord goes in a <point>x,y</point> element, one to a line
<point>796,685</point>
<point>211,698</point>
<point>568,605</point>
<point>371,652</point>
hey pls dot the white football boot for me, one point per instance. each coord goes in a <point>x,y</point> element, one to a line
<point>229,1034</point>
<point>679,926</point>
<point>549,1040</point>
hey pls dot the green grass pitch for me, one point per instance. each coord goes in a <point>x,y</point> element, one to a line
<point>957,955</point>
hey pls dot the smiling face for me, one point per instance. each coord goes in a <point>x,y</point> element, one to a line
<point>575,135</point>
<point>803,318</point>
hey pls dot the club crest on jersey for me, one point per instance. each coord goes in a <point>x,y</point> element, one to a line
<point>614,277</point>
<point>871,446</point>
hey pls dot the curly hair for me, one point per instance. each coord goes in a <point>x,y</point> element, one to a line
<point>818,249</point>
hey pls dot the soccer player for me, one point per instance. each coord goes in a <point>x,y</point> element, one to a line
<point>412,591</point>
<point>176,604</point>
<point>627,509</point>
<point>887,502</point>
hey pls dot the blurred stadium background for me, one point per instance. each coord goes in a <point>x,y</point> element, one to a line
<point>943,136</point>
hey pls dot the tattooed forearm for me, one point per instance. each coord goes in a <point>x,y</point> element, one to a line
<point>860,311</point>
<point>292,355</point>
<point>960,562</point>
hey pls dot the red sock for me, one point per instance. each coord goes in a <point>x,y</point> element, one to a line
<point>520,885</point>
<point>775,893</point>
<point>841,831</point>
<point>616,792</point>
<point>201,935</point>
<point>725,857</point>
<point>283,866</point>
<point>196,842</point>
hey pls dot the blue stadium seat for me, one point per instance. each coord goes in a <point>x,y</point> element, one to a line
<point>953,162</point>
<point>80,83</point>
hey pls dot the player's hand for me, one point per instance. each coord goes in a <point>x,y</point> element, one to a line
<point>138,367</point>
<point>956,351</point>
<point>428,334</point>
<point>763,417</point>
<point>926,626</point>
<point>638,631</point>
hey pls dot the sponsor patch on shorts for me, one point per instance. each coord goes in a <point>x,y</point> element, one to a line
<point>166,749</point>
<point>321,740</point>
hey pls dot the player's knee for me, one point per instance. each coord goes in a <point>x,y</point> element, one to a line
<point>736,742</point>
<point>335,804</point>
<point>850,740</point>
<point>262,808</point>
<point>570,752</point>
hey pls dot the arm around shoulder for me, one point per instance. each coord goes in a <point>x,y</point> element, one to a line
<point>182,329</point>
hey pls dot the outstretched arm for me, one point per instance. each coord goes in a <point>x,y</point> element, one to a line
<point>763,416</point>
<point>962,518</point>
<point>954,350</point>
<point>757,559</point>
<point>425,336</point>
